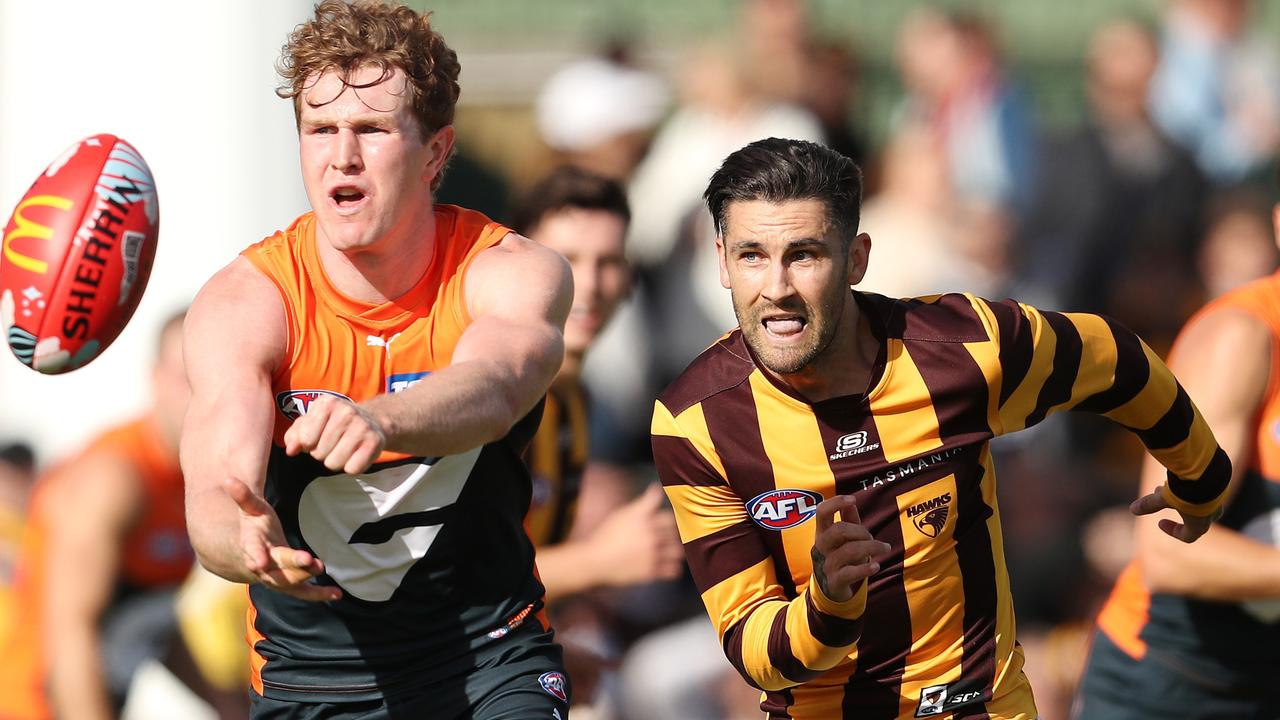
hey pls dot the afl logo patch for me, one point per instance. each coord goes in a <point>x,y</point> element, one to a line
<point>782,509</point>
<point>293,404</point>
<point>554,684</point>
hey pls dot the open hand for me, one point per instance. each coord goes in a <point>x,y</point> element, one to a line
<point>639,542</point>
<point>1191,527</point>
<point>267,557</point>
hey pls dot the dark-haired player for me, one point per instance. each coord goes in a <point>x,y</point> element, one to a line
<point>829,464</point>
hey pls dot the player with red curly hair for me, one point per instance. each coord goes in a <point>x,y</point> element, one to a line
<point>363,384</point>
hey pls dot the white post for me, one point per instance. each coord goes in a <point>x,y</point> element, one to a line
<point>191,85</point>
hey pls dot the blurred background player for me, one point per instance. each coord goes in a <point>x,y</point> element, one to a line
<point>105,549</point>
<point>590,530</point>
<point>1193,631</point>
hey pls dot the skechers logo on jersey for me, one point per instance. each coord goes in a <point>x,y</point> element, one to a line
<point>554,684</point>
<point>940,699</point>
<point>853,444</point>
<point>782,509</point>
<point>294,403</point>
<point>930,516</point>
<point>402,381</point>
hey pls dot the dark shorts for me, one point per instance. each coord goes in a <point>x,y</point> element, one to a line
<point>520,677</point>
<point>1163,685</point>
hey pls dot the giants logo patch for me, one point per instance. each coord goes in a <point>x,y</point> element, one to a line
<point>554,684</point>
<point>782,509</point>
<point>930,516</point>
<point>293,404</point>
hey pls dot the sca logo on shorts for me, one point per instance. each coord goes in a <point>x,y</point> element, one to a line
<point>782,509</point>
<point>553,683</point>
<point>293,404</point>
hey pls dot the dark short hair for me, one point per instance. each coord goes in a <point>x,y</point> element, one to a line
<point>569,186</point>
<point>777,170</point>
<point>19,454</point>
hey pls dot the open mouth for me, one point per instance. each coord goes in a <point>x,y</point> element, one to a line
<point>784,326</point>
<point>346,197</point>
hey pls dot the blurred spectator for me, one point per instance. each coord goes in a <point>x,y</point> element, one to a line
<point>721,109</point>
<point>789,64</point>
<point>1218,87</point>
<point>104,550</point>
<point>599,114</point>
<point>957,86</point>
<point>670,320</point>
<point>1116,213</point>
<point>915,223</point>
<point>1239,242</point>
<point>589,530</point>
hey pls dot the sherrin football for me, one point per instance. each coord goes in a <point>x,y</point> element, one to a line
<point>77,253</point>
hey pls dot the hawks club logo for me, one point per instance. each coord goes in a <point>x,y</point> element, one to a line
<point>930,516</point>
<point>553,683</point>
<point>782,509</point>
<point>293,404</point>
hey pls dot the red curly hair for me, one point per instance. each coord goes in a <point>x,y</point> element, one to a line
<point>348,36</point>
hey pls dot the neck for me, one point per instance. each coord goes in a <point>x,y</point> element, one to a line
<point>384,271</point>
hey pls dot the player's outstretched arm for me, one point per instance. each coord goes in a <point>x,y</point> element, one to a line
<point>1052,361</point>
<point>1223,565</point>
<point>235,337</point>
<point>518,294</point>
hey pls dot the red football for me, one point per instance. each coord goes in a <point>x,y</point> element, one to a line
<point>77,253</point>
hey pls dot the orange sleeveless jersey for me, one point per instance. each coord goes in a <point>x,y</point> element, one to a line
<point>414,593</point>
<point>1133,618</point>
<point>156,554</point>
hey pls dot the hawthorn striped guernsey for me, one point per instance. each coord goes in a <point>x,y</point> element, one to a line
<point>931,634</point>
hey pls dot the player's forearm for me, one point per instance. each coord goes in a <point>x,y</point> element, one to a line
<point>214,526</point>
<point>822,634</point>
<point>76,683</point>
<point>569,568</point>
<point>1223,565</point>
<point>451,411</point>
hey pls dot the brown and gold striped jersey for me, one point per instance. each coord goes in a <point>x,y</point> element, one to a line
<point>746,461</point>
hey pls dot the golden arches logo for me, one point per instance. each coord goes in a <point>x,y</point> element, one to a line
<point>24,228</point>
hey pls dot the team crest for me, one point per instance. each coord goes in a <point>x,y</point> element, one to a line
<point>293,404</point>
<point>930,516</point>
<point>554,684</point>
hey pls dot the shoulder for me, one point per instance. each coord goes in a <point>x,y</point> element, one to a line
<point>1227,331</point>
<point>723,366</point>
<point>951,317</point>
<point>239,310</point>
<point>517,267</point>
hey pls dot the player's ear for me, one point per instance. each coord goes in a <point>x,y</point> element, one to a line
<point>440,144</point>
<point>859,254</point>
<point>724,262</point>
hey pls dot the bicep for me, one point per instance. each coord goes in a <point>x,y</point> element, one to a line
<point>234,338</point>
<point>518,294</point>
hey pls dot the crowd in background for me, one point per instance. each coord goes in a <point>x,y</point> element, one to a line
<point>1160,199</point>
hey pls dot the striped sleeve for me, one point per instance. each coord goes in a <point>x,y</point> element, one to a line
<point>774,641</point>
<point>1050,361</point>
